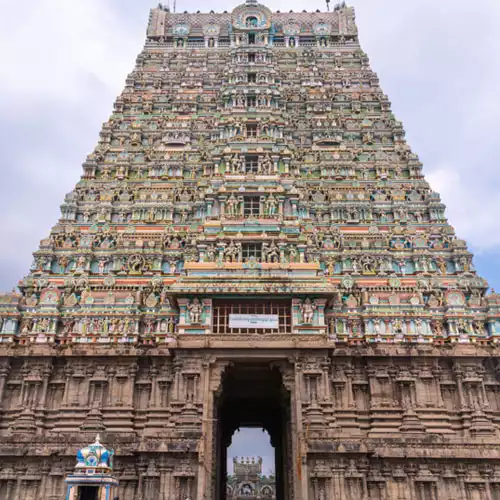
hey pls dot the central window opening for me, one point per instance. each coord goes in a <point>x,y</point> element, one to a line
<point>251,130</point>
<point>251,38</point>
<point>251,206</point>
<point>251,57</point>
<point>227,319</point>
<point>252,251</point>
<point>251,101</point>
<point>251,161</point>
<point>250,465</point>
<point>252,77</point>
<point>252,399</point>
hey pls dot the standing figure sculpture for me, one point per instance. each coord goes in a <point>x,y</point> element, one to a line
<point>232,206</point>
<point>271,205</point>
<point>195,309</point>
<point>307,309</point>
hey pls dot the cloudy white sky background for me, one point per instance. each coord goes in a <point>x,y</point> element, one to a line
<point>63,62</point>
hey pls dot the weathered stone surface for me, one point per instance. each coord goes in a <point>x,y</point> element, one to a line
<point>252,174</point>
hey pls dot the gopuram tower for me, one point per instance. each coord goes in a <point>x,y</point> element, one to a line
<point>253,243</point>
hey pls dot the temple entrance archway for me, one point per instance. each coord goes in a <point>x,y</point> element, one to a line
<point>253,395</point>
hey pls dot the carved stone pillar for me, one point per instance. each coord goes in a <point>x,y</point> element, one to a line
<point>42,399</point>
<point>338,470</point>
<point>45,469</point>
<point>411,472</point>
<point>17,489</point>
<point>4,372</point>
<point>153,395</point>
<point>349,395</point>
<point>10,487</point>
<point>298,452</point>
<point>461,397</point>
<point>129,388</point>
<point>164,487</point>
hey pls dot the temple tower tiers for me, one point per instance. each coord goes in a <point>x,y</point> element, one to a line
<point>253,243</point>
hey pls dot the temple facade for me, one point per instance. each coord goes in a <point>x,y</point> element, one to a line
<point>253,243</point>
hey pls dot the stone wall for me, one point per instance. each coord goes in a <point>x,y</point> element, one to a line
<point>380,422</point>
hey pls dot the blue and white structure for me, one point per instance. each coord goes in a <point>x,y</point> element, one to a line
<point>93,477</point>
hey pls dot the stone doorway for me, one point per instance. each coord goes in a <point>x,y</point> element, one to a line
<point>253,395</point>
<point>88,493</point>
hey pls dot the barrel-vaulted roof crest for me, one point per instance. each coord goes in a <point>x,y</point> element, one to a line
<point>251,16</point>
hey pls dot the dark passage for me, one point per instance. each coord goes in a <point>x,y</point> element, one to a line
<point>88,493</point>
<point>253,395</point>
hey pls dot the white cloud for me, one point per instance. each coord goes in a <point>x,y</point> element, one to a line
<point>56,42</point>
<point>476,216</point>
<point>65,63</point>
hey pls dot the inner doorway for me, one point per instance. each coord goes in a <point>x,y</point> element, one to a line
<point>250,465</point>
<point>88,493</point>
<point>253,396</point>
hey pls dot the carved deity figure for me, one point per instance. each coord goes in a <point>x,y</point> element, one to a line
<point>232,206</point>
<point>463,326</point>
<point>477,327</point>
<point>271,205</point>
<point>266,165</point>
<point>135,263</point>
<point>397,326</point>
<point>81,262</point>
<point>232,252</point>
<point>418,326</point>
<point>402,267</point>
<point>307,308</point>
<point>195,309</point>
<point>294,255</point>
<point>464,264</point>
<point>401,213</point>
<point>270,252</point>
<point>211,254</point>
<point>240,101</point>
<point>101,265</point>
<point>441,265</point>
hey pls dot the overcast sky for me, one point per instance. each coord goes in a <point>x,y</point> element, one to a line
<point>65,61</point>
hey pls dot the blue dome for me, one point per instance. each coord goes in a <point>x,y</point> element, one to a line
<point>94,455</point>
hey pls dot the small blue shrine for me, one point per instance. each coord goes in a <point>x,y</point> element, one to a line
<point>93,477</point>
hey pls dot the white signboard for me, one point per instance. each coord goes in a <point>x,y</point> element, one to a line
<point>264,321</point>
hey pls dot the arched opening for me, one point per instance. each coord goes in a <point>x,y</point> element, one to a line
<point>253,397</point>
<point>250,465</point>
